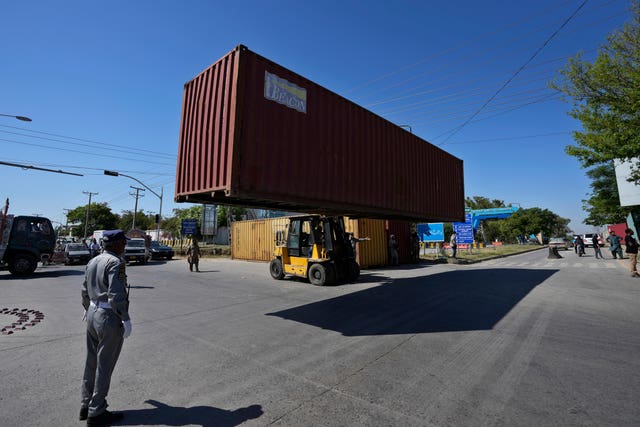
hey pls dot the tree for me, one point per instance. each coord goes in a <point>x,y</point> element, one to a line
<point>605,97</point>
<point>533,221</point>
<point>143,221</point>
<point>237,213</point>
<point>603,206</point>
<point>100,218</point>
<point>480,202</point>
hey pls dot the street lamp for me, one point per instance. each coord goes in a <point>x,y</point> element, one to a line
<point>23,118</point>
<point>115,173</point>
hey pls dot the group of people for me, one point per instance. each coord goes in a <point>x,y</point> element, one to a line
<point>615,246</point>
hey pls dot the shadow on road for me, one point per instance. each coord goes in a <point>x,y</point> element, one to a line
<point>40,274</point>
<point>443,302</point>
<point>205,416</point>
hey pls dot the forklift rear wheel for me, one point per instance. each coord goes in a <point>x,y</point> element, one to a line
<point>275,268</point>
<point>318,275</point>
<point>354,271</point>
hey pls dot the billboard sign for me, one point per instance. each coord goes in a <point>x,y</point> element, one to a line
<point>629,192</point>
<point>189,226</point>
<point>464,230</point>
<point>431,232</point>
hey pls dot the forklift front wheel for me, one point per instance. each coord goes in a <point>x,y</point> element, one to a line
<point>275,268</point>
<point>318,275</point>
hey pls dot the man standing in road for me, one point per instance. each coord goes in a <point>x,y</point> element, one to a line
<point>632,250</point>
<point>453,241</point>
<point>596,245</point>
<point>614,245</point>
<point>105,298</point>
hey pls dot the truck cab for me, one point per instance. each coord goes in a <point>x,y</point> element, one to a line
<point>24,241</point>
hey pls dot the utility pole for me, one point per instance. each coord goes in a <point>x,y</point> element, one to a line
<point>66,221</point>
<point>135,210</point>
<point>86,219</point>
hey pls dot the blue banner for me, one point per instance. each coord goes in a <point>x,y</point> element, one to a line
<point>432,232</point>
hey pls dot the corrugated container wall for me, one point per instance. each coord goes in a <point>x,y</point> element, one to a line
<point>255,240</point>
<point>402,231</point>
<point>254,133</point>
<point>370,253</point>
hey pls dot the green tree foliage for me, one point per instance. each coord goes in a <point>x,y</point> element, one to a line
<point>532,221</point>
<point>100,218</point>
<point>480,202</point>
<point>236,214</point>
<point>143,221</point>
<point>603,206</point>
<point>605,97</point>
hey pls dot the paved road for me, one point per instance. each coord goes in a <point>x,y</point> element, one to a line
<point>516,341</point>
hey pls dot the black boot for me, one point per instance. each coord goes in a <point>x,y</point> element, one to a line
<point>104,419</point>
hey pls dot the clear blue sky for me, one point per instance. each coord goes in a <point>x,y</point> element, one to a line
<point>103,85</point>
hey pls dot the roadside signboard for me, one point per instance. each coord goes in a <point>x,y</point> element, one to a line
<point>464,230</point>
<point>189,226</point>
<point>431,232</point>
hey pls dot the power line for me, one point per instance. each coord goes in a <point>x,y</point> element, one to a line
<point>79,139</point>
<point>131,151</point>
<point>77,151</point>
<point>459,128</point>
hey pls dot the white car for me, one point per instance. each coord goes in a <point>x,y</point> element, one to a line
<point>588,240</point>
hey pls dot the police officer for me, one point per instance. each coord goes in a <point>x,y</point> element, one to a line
<point>106,301</point>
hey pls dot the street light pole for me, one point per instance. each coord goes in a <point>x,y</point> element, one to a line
<point>23,118</point>
<point>159,196</point>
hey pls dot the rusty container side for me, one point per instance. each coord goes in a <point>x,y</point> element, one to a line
<point>402,231</point>
<point>370,253</point>
<point>207,129</point>
<point>240,144</point>
<point>254,240</point>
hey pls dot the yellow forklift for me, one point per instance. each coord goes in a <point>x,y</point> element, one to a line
<point>317,248</point>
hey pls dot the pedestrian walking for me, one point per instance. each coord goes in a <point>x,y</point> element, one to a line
<point>579,246</point>
<point>614,245</point>
<point>632,249</point>
<point>193,255</point>
<point>105,298</point>
<point>95,248</point>
<point>393,250</point>
<point>453,241</point>
<point>596,246</point>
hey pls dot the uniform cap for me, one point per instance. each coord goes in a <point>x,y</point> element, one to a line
<point>113,236</point>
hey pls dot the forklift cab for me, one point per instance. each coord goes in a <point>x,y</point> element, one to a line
<point>316,248</point>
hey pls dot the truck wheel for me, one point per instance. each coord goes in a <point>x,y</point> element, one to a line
<point>23,265</point>
<point>318,275</point>
<point>275,268</point>
<point>353,271</point>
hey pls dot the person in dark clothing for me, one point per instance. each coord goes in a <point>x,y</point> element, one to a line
<point>596,246</point>
<point>579,246</point>
<point>632,249</point>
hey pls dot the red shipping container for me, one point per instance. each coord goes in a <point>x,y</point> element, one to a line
<point>402,232</point>
<point>254,133</point>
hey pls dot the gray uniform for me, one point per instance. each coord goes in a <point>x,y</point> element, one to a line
<point>104,296</point>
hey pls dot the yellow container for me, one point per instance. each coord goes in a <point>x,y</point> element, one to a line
<point>255,240</point>
<point>370,253</point>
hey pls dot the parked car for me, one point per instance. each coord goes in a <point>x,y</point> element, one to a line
<point>76,253</point>
<point>588,240</point>
<point>559,242</point>
<point>158,250</point>
<point>137,250</point>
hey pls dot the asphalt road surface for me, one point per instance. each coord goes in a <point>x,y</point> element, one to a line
<point>517,341</point>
